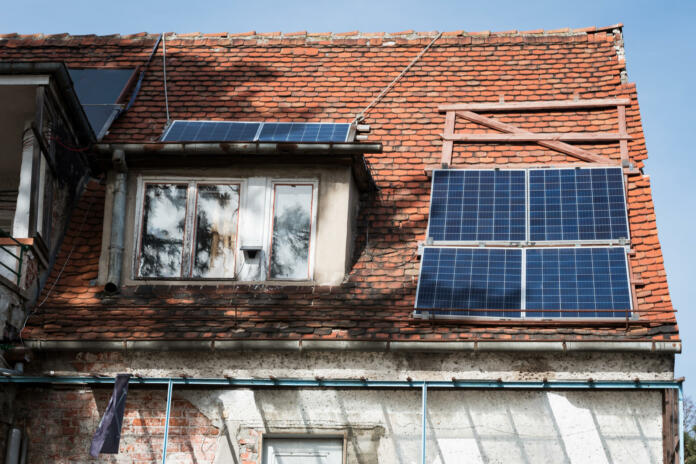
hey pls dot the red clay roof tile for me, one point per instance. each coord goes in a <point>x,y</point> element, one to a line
<point>328,76</point>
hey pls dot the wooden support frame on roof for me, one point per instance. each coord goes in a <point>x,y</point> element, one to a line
<point>513,134</point>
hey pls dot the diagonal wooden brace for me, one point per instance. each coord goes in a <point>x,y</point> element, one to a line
<point>552,144</point>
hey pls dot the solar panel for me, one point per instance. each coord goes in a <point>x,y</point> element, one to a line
<point>577,204</point>
<point>240,131</point>
<point>211,131</point>
<point>477,205</point>
<point>98,91</point>
<point>303,132</point>
<point>470,279</point>
<point>571,279</point>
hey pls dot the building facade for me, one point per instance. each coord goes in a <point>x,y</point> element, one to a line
<point>336,248</point>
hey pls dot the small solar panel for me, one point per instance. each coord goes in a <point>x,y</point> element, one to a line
<point>303,132</point>
<point>240,131</point>
<point>577,204</point>
<point>211,131</point>
<point>572,279</point>
<point>470,280</point>
<point>477,205</point>
<point>98,91</point>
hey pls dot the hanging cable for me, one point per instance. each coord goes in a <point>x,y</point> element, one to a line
<point>164,68</point>
<point>134,95</point>
<point>361,115</point>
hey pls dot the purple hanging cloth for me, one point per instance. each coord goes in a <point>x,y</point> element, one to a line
<point>108,434</point>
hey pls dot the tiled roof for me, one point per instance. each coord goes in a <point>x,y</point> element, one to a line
<point>315,77</point>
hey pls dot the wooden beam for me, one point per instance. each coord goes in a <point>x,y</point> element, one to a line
<point>537,105</point>
<point>553,145</point>
<point>623,143</point>
<point>429,168</point>
<point>447,144</point>
<point>7,241</point>
<point>537,136</point>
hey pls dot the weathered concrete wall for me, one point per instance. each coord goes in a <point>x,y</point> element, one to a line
<point>372,365</point>
<point>380,426</point>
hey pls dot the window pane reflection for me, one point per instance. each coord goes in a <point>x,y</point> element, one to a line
<point>291,232</point>
<point>164,219</point>
<point>216,230</point>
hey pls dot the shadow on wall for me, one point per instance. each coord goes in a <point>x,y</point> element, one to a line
<point>481,426</point>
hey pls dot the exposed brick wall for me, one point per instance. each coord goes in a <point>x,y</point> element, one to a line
<point>61,423</point>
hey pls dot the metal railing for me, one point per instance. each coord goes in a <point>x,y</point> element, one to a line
<point>16,250</point>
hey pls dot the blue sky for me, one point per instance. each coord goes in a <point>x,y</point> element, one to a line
<point>660,53</point>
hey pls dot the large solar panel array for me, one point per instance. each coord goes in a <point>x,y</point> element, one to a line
<point>471,278</point>
<point>592,280</point>
<point>239,131</point>
<point>531,271</point>
<point>582,204</point>
<point>473,205</point>
<point>560,282</point>
<point>577,204</point>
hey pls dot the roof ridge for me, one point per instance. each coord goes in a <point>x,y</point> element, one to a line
<point>317,36</point>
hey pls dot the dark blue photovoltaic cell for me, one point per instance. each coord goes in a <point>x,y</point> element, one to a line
<point>470,279</point>
<point>477,205</point>
<point>236,131</point>
<point>303,132</point>
<point>568,279</point>
<point>211,131</point>
<point>577,204</point>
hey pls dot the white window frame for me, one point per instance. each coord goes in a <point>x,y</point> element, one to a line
<point>271,191</point>
<point>243,214</point>
<point>190,218</point>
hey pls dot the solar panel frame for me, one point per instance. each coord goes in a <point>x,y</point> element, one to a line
<point>473,258</point>
<point>528,247</point>
<point>623,208</point>
<point>564,278</point>
<point>320,129</point>
<point>477,240</point>
<point>528,234</point>
<point>524,312</point>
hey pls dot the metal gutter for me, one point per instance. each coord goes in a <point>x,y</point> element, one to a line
<point>348,383</point>
<point>65,85</point>
<point>238,148</point>
<point>118,223</point>
<point>661,347</point>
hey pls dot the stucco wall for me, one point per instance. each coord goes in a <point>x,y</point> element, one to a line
<point>379,426</point>
<point>227,425</point>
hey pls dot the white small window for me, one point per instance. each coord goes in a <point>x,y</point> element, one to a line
<point>302,450</point>
<point>292,231</point>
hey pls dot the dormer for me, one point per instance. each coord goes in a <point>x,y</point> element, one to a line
<point>224,202</point>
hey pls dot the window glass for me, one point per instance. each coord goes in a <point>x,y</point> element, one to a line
<point>292,226</point>
<point>217,210</point>
<point>164,223</point>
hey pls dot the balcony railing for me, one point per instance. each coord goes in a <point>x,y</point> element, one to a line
<point>12,256</point>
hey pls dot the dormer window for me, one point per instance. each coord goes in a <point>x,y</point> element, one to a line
<point>190,228</point>
<point>250,202</point>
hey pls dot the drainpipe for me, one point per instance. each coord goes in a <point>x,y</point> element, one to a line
<point>118,215</point>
